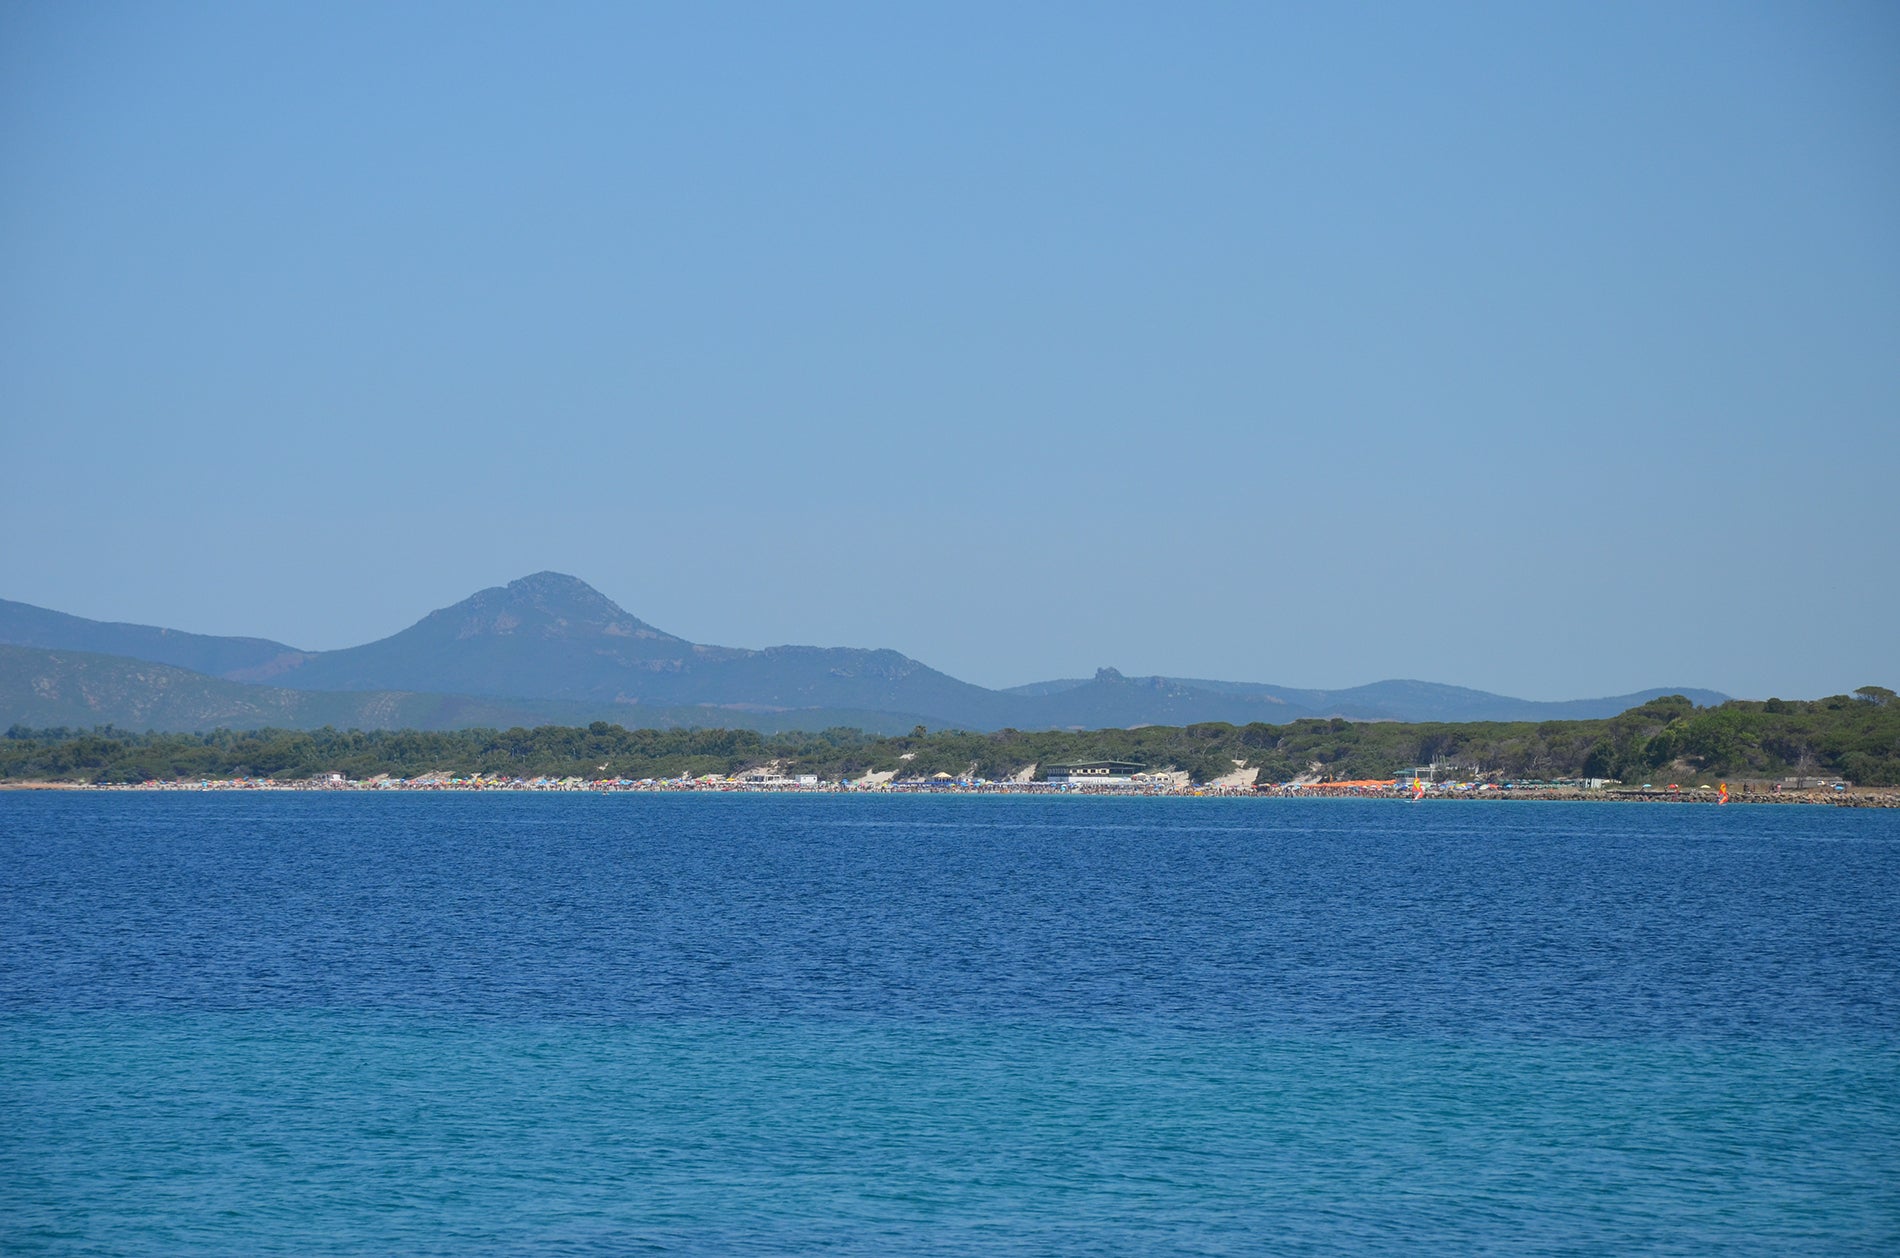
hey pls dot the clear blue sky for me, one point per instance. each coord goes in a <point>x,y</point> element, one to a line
<point>1549,349</point>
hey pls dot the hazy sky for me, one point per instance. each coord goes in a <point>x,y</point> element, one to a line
<point>1549,349</point>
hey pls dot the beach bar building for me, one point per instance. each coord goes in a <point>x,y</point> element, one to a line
<point>1095,773</point>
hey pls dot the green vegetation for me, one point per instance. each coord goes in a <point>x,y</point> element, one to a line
<point>1856,737</point>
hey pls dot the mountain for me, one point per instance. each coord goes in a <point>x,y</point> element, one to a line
<point>546,636</point>
<point>1110,700</point>
<point>41,689</point>
<point>553,636</point>
<point>549,647</point>
<point>1396,700</point>
<point>1404,700</point>
<point>22,624</point>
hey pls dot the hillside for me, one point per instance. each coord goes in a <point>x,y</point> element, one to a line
<point>22,624</point>
<point>550,636</point>
<point>42,689</point>
<point>551,646</point>
<point>1407,700</point>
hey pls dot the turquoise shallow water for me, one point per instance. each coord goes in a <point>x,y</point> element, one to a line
<point>168,1134</point>
<point>583,1026</point>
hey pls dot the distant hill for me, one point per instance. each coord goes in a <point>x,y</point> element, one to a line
<point>551,647</point>
<point>42,689</point>
<point>546,636</point>
<point>1110,700</point>
<point>1378,701</point>
<point>1431,701</point>
<point>22,624</point>
<point>553,636</point>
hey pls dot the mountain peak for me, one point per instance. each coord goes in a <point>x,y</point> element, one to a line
<point>546,635</point>
<point>544,604</point>
<point>549,581</point>
<point>554,593</point>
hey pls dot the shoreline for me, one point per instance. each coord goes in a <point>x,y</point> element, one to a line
<point>1852,797</point>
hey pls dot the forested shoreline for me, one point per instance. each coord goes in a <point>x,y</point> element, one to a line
<point>1852,737</point>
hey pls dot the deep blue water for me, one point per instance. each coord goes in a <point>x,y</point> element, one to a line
<point>501,1024</point>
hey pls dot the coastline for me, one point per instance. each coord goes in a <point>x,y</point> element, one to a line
<point>1851,797</point>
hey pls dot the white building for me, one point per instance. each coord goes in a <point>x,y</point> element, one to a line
<point>1095,773</point>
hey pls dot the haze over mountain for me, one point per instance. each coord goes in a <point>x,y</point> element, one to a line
<point>553,636</point>
<point>1397,700</point>
<point>22,624</point>
<point>549,647</point>
<point>43,689</point>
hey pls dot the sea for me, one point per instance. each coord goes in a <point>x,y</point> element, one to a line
<point>583,1024</point>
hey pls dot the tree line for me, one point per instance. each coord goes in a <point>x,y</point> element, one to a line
<point>1855,737</point>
